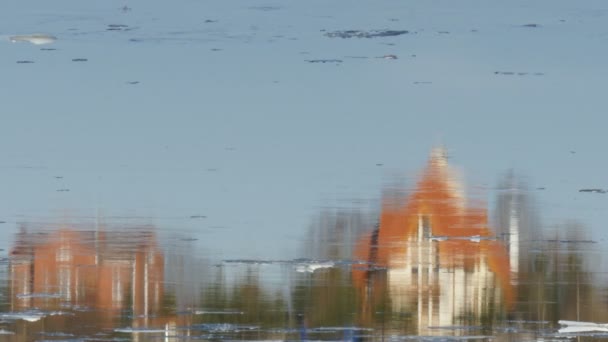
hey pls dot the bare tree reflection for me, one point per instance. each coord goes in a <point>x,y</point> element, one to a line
<point>427,262</point>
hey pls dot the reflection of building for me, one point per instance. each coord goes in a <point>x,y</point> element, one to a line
<point>105,271</point>
<point>443,264</point>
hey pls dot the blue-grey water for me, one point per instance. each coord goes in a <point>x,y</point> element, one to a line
<point>303,170</point>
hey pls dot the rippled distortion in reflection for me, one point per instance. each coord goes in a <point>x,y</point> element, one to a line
<point>430,264</point>
<point>435,257</point>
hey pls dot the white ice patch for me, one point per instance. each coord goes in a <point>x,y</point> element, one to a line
<point>36,39</point>
<point>579,327</point>
<point>313,266</point>
<point>26,316</point>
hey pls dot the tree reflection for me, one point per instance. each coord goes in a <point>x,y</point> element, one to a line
<point>428,262</point>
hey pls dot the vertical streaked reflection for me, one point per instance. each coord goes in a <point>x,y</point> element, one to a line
<point>425,261</point>
<point>434,259</point>
<point>97,278</point>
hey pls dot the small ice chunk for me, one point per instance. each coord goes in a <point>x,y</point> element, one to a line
<point>37,39</point>
<point>26,316</point>
<point>475,238</point>
<point>578,327</point>
<point>313,266</point>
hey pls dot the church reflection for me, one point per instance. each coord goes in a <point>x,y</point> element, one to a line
<point>428,262</point>
<point>434,257</point>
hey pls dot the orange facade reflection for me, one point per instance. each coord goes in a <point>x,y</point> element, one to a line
<point>101,271</point>
<point>434,255</point>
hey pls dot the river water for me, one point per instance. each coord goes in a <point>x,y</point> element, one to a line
<point>303,170</point>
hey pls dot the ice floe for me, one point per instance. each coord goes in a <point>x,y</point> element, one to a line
<point>26,316</point>
<point>310,267</point>
<point>37,39</point>
<point>572,327</point>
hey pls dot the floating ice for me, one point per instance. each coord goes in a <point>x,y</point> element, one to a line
<point>578,327</point>
<point>475,238</point>
<point>37,39</point>
<point>313,266</point>
<point>26,316</point>
<point>389,57</point>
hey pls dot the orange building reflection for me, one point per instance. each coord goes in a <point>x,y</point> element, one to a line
<point>107,272</point>
<point>434,255</point>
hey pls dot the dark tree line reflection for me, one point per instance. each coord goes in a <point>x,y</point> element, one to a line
<point>429,261</point>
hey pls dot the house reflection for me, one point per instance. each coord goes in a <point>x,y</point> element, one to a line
<point>100,275</point>
<point>433,257</point>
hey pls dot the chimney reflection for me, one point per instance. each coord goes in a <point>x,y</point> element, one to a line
<point>434,257</point>
<point>102,270</point>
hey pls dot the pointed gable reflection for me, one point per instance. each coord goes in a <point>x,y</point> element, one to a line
<point>434,254</point>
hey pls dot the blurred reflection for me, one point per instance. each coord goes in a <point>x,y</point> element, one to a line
<point>516,222</point>
<point>100,276</point>
<point>434,258</point>
<point>427,262</point>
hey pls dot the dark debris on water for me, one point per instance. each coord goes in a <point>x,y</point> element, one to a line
<point>25,62</point>
<point>518,73</point>
<point>365,34</point>
<point>595,190</point>
<point>324,61</point>
<point>79,59</point>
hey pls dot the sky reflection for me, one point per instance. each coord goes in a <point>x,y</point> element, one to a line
<point>430,263</point>
<point>266,154</point>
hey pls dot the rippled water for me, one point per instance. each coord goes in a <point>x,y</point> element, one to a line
<point>303,170</point>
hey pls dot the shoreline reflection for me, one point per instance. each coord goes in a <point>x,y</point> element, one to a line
<point>428,262</point>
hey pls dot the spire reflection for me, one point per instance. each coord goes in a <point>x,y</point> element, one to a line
<point>433,257</point>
